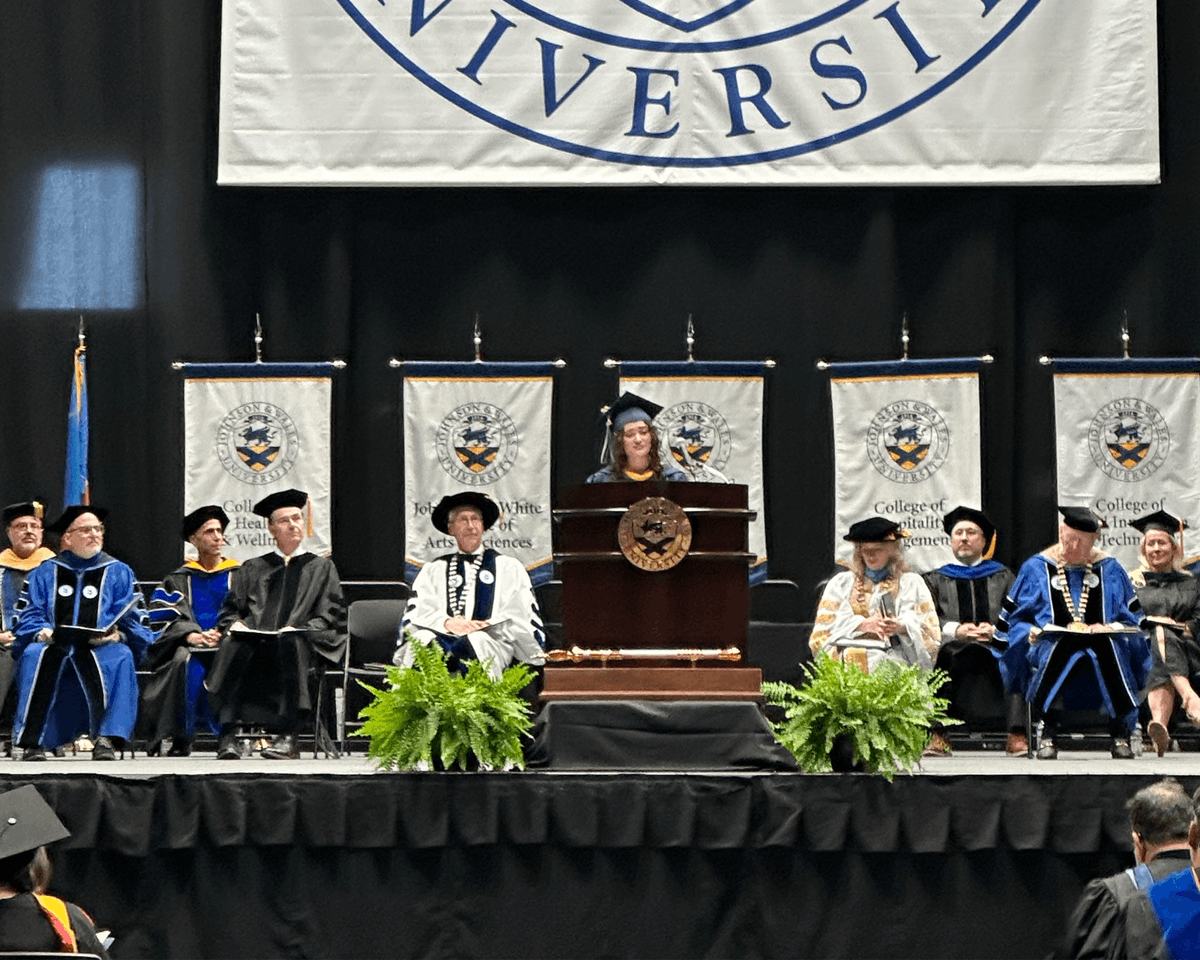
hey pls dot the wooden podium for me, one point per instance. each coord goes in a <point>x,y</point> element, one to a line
<point>613,611</point>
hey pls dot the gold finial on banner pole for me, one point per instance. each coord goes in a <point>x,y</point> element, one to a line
<point>258,338</point>
<point>478,341</point>
<point>904,338</point>
<point>1125,332</point>
<point>690,340</point>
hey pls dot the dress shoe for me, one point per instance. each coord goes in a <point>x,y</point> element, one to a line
<point>1158,733</point>
<point>180,747</point>
<point>938,746</point>
<point>33,753</point>
<point>1017,745</point>
<point>103,749</point>
<point>283,747</point>
<point>228,747</point>
<point>1121,749</point>
<point>1047,750</point>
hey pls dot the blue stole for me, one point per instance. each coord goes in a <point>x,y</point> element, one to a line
<point>1176,903</point>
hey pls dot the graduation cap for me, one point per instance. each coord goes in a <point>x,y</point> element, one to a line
<point>875,530</point>
<point>32,508</point>
<point>630,408</point>
<point>27,822</point>
<point>199,517</point>
<point>1083,519</point>
<point>278,500</point>
<point>977,517</point>
<point>1159,520</point>
<point>487,507</point>
<point>71,514</point>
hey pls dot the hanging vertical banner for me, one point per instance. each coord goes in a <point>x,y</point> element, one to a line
<point>251,430</point>
<point>485,427</point>
<point>906,447</point>
<point>711,427</point>
<point>1126,441</point>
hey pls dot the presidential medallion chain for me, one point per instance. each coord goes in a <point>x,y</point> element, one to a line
<point>1077,614</point>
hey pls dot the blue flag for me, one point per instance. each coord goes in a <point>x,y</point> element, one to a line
<point>75,481</point>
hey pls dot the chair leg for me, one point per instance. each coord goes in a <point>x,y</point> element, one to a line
<point>1031,749</point>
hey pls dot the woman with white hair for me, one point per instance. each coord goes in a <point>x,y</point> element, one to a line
<point>1171,601</point>
<point>878,604</point>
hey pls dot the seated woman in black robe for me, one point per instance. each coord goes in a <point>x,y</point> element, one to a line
<point>1171,601</point>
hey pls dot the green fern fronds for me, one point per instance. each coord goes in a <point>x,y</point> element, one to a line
<point>426,711</point>
<point>886,714</point>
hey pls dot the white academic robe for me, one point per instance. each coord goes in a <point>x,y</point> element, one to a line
<point>841,613</point>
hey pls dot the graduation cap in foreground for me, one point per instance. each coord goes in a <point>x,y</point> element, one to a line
<point>27,822</point>
<point>1083,519</point>
<point>1159,520</point>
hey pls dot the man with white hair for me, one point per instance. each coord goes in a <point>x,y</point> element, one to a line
<point>23,525</point>
<point>477,604</point>
<point>1072,623</point>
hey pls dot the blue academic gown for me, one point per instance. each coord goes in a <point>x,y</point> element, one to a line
<point>1119,665</point>
<point>65,690</point>
<point>1176,903</point>
<point>609,475</point>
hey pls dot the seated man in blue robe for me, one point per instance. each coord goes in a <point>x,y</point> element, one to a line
<point>1071,623</point>
<point>184,611</point>
<point>82,683</point>
<point>23,525</point>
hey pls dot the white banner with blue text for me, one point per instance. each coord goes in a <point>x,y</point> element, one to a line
<point>485,427</point>
<point>906,447</point>
<point>711,427</point>
<point>251,430</point>
<point>541,92</point>
<point>1127,442</point>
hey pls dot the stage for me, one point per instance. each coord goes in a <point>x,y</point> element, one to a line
<point>975,855</point>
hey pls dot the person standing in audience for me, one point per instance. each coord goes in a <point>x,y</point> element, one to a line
<point>32,921</point>
<point>23,526</point>
<point>968,595</point>
<point>1171,602</point>
<point>1159,818</point>
<point>184,611</point>
<point>78,681</point>
<point>633,450</point>
<point>878,604</point>
<point>294,595</point>
<point>1061,598</point>
<point>477,604</point>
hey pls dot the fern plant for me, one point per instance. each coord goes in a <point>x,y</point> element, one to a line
<point>428,712</point>
<point>886,714</point>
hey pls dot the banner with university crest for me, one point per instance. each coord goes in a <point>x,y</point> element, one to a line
<point>1127,443</point>
<point>906,447</point>
<point>251,430</point>
<point>686,92</point>
<point>486,427</point>
<point>711,427</point>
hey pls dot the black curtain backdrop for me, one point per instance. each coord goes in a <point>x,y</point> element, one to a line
<point>795,274</point>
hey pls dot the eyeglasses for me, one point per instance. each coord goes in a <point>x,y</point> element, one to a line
<point>91,528</point>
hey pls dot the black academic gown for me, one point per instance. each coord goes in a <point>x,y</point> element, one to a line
<point>1096,929</point>
<point>1175,596</point>
<point>267,683</point>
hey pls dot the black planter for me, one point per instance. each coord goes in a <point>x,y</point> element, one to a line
<point>841,755</point>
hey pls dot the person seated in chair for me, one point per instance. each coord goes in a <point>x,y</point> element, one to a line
<point>23,525</point>
<point>184,610</point>
<point>295,595</point>
<point>1171,602</point>
<point>968,595</point>
<point>633,449</point>
<point>477,604</point>
<point>878,603</point>
<point>86,684</point>
<point>1063,596</point>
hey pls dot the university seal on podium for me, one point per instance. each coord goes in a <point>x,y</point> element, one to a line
<point>655,534</point>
